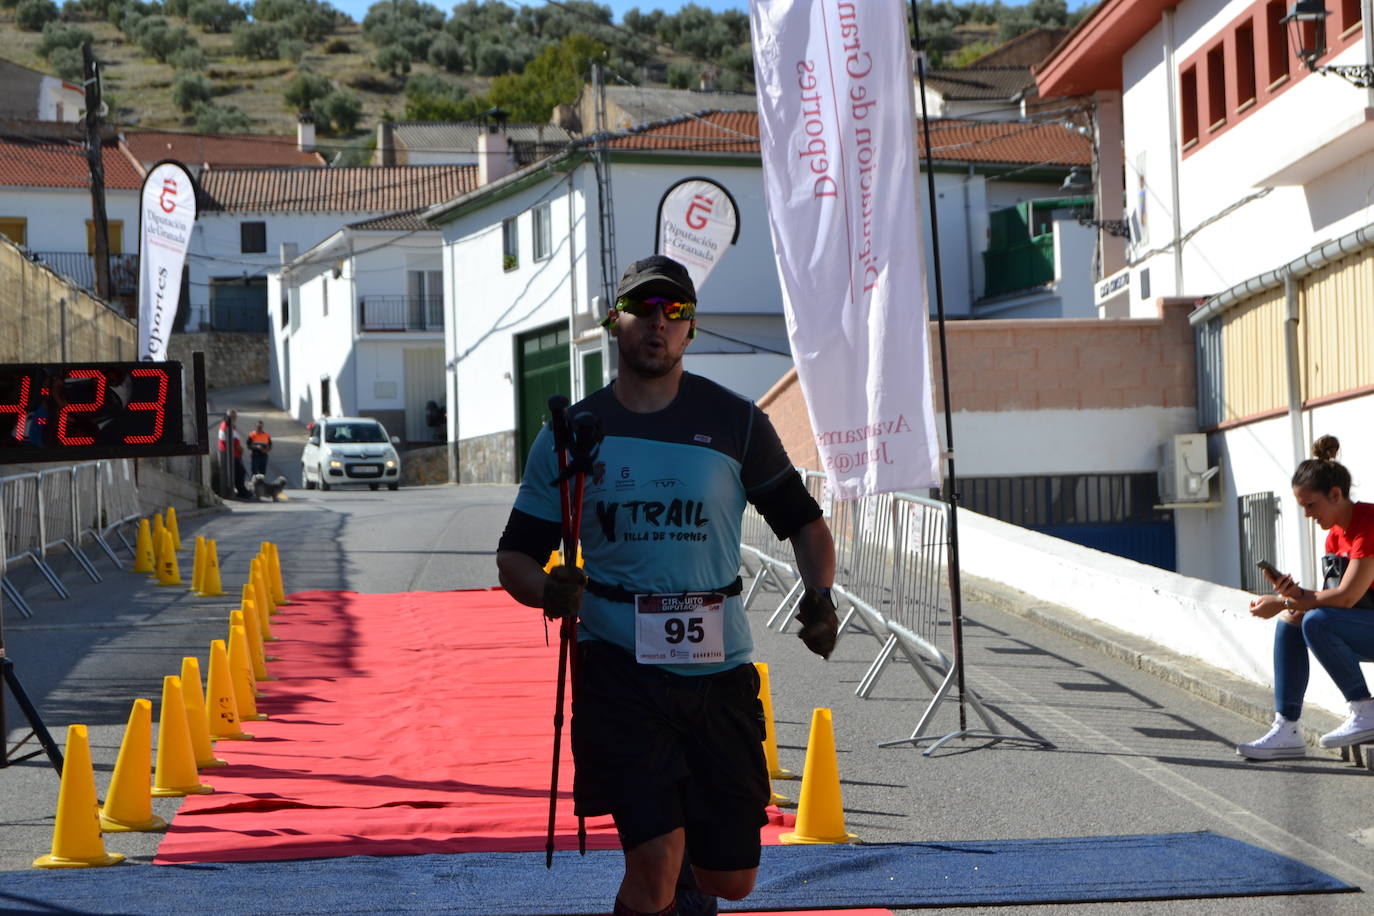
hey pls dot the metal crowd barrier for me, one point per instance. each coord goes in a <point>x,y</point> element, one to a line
<point>891,581</point>
<point>61,508</point>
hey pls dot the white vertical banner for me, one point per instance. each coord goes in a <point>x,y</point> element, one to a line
<point>167,214</point>
<point>839,159</point>
<point>697,222</point>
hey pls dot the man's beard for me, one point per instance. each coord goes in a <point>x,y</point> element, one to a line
<point>650,367</point>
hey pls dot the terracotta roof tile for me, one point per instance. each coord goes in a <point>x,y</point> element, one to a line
<point>981,83</point>
<point>49,164</point>
<point>395,222</point>
<point>953,140</point>
<point>377,188</point>
<point>219,150</point>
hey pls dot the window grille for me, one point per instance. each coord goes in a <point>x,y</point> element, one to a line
<point>1259,525</point>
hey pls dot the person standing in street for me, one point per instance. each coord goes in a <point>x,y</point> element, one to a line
<point>233,479</point>
<point>259,444</point>
<point>1336,621</point>
<point>667,725</point>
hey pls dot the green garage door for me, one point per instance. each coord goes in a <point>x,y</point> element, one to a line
<point>543,370</point>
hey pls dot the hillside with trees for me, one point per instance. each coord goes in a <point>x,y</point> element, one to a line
<point>226,66</point>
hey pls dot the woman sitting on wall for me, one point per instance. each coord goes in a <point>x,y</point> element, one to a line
<point>1336,622</point>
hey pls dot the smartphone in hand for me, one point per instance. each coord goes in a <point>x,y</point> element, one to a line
<point>1270,571</point>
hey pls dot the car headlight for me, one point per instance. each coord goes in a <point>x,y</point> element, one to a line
<point>335,464</point>
<point>391,462</point>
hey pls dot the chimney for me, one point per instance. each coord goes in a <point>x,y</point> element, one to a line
<point>305,132</point>
<point>493,155</point>
<point>386,149</point>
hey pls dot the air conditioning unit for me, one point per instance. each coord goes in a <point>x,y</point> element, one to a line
<point>1184,476</point>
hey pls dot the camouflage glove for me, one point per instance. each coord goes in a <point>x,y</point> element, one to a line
<point>820,626</point>
<point>563,592</point>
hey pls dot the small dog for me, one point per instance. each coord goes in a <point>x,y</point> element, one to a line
<point>261,487</point>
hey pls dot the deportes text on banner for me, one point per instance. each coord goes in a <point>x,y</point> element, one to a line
<point>167,214</point>
<point>835,128</point>
<point>697,221</point>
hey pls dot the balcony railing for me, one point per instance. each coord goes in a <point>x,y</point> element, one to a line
<point>79,267</point>
<point>401,313</point>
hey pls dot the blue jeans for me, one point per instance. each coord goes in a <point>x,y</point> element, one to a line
<point>1339,637</point>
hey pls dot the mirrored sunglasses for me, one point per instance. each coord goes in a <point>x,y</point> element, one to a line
<point>642,308</point>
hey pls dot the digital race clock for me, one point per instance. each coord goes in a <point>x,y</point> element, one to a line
<point>77,411</point>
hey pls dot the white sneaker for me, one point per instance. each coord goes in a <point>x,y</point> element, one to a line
<point>1282,741</point>
<point>1357,728</point>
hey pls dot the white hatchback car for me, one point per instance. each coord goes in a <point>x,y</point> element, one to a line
<point>350,450</point>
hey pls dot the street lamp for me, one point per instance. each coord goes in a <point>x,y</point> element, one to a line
<point>1079,181</point>
<point>1306,22</point>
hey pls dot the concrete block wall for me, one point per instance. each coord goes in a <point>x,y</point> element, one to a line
<point>44,318</point>
<point>1000,366</point>
<point>231,359</point>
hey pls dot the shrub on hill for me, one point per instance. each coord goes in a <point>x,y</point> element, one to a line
<point>220,119</point>
<point>62,35</point>
<point>340,111</point>
<point>217,16</point>
<point>190,89</point>
<point>32,15</point>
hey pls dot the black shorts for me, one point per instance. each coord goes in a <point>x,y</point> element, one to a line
<point>658,751</point>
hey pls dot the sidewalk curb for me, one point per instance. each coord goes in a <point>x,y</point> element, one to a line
<point>1210,683</point>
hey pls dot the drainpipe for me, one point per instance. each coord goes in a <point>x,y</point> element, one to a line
<point>1171,78</point>
<point>1366,17</point>
<point>1294,379</point>
<point>968,237</point>
<point>575,365</point>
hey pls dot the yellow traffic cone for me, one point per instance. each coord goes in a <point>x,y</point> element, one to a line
<point>820,813</point>
<point>168,570</point>
<point>129,802</point>
<point>172,527</point>
<point>261,595</point>
<point>76,841</point>
<point>253,628</point>
<point>198,565</point>
<point>158,529</point>
<point>274,573</point>
<point>175,773</point>
<point>241,671</point>
<point>221,708</point>
<point>144,560</point>
<point>210,585</point>
<point>193,698</point>
<point>770,741</point>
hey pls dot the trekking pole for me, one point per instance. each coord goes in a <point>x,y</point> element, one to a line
<point>576,444</point>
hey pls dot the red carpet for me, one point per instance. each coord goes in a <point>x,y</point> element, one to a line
<point>399,725</point>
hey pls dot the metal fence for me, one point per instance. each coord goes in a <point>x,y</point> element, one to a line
<point>64,509</point>
<point>891,582</point>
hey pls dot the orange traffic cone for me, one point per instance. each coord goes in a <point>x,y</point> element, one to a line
<point>198,565</point>
<point>193,698</point>
<point>175,773</point>
<point>168,570</point>
<point>129,802</point>
<point>221,709</point>
<point>274,573</point>
<point>241,671</point>
<point>172,527</point>
<point>210,585</point>
<point>144,556</point>
<point>820,813</point>
<point>76,841</point>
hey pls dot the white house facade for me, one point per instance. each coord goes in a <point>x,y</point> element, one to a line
<point>357,328</point>
<point>525,272</point>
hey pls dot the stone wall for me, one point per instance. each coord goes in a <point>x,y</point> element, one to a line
<point>423,466</point>
<point>46,319</point>
<point>487,459</point>
<point>231,359</point>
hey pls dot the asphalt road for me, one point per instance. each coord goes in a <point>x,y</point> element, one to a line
<point>1129,753</point>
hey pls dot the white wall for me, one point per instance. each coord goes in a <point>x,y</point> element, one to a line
<point>59,100</point>
<point>57,216</point>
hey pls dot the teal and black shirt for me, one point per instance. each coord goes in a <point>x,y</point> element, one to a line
<point>663,506</point>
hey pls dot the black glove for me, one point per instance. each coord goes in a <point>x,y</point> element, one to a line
<point>820,626</point>
<point>563,592</point>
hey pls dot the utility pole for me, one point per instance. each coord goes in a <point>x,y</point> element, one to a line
<point>97,166</point>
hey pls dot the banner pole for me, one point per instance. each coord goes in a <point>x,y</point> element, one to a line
<point>951,494</point>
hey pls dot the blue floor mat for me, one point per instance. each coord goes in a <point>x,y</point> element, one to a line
<point>897,875</point>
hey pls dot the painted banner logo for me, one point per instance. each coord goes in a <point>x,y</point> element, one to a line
<point>167,214</point>
<point>697,221</point>
<point>835,130</point>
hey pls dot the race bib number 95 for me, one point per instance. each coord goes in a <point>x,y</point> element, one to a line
<point>680,629</point>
